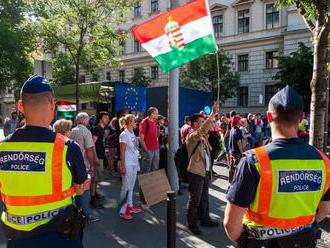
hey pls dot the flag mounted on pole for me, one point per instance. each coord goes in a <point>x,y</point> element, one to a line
<point>179,35</point>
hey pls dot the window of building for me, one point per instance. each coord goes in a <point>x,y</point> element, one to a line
<point>154,72</point>
<point>122,48</point>
<point>270,91</point>
<point>108,75</point>
<point>243,21</point>
<point>174,3</point>
<point>82,79</point>
<point>243,97</point>
<point>154,6</point>
<point>217,25</point>
<point>83,106</point>
<point>137,46</point>
<point>243,62</point>
<point>137,10</point>
<point>122,76</point>
<point>272,16</point>
<point>94,77</point>
<point>271,60</point>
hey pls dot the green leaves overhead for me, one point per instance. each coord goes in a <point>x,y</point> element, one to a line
<point>202,74</point>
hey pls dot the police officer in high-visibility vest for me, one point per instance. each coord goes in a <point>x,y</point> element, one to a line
<point>38,172</point>
<point>280,191</point>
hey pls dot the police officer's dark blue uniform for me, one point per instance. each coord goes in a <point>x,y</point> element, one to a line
<point>242,192</point>
<point>46,235</point>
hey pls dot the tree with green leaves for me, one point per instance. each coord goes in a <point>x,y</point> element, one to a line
<point>17,41</point>
<point>83,33</point>
<point>296,70</point>
<point>140,78</point>
<point>316,15</point>
<point>203,74</point>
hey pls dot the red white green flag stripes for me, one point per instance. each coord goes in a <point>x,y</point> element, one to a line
<point>178,36</point>
<point>66,109</point>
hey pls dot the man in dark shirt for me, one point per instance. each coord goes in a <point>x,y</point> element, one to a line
<point>99,140</point>
<point>235,146</point>
<point>285,112</point>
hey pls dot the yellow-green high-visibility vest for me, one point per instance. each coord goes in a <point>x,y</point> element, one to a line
<point>289,191</point>
<point>35,182</point>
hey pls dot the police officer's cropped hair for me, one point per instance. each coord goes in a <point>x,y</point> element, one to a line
<point>151,110</point>
<point>288,117</point>
<point>129,119</point>
<point>38,99</point>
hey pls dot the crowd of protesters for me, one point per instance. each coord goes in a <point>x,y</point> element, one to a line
<point>125,145</point>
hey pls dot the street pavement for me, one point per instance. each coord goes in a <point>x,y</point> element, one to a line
<point>148,229</point>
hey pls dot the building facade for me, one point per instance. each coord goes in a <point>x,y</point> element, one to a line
<point>253,33</point>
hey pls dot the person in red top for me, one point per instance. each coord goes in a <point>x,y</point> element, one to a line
<point>149,141</point>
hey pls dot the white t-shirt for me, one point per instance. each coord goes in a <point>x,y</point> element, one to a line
<point>132,152</point>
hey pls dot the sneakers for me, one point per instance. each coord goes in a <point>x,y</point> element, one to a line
<point>135,210</point>
<point>127,215</point>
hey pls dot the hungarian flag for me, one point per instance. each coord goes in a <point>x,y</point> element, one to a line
<point>66,109</point>
<point>178,36</point>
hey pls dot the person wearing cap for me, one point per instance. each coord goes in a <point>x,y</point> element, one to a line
<point>40,172</point>
<point>280,191</point>
<point>235,145</point>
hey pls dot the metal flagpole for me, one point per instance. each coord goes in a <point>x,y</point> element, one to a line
<point>173,127</point>
<point>218,71</point>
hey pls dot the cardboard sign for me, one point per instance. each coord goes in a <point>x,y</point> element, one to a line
<point>154,186</point>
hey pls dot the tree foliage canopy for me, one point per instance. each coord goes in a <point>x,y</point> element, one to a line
<point>81,33</point>
<point>202,74</point>
<point>296,70</point>
<point>17,41</point>
<point>140,78</point>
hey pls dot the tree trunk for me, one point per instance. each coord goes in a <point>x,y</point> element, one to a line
<point>319,92</point>
<point>77,84</point>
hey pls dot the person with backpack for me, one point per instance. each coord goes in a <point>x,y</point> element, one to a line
<point>149,141</point>
<point>199,171</point>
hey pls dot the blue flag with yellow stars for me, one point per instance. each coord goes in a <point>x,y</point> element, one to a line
<point>134,98</point>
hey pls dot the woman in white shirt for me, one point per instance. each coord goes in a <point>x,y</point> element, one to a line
<point>128,169</point>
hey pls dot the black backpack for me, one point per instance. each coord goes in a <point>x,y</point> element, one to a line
<point>182,161</point>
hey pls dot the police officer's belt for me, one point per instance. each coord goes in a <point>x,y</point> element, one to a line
<point>262,233</point>
<point>29,219</point>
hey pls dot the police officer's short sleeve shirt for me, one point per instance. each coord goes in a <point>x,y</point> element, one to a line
<point>74,157</point>
<point>243,189</point>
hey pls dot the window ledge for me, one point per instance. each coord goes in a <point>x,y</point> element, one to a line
<point>154,13</point>
<point>137,17</point>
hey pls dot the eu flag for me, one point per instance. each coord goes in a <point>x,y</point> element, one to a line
<point>132,97</point>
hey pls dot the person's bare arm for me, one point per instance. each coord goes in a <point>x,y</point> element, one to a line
<point>233,221</point>
<point>95,138</point>
<point>122,159</point>
<point>324,210</point>
<point>240,146</point>
<point>142,142</point>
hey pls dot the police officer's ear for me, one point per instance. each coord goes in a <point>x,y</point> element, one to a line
<point>269,117</point>
<point>52,104</point>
